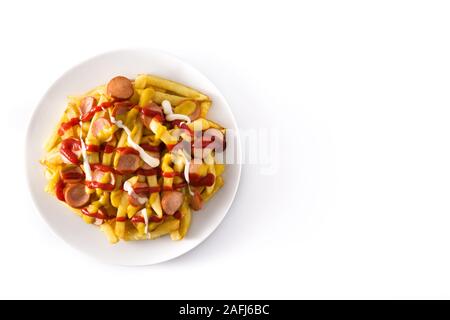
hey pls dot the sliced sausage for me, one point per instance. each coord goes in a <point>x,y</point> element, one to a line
<point>70,150</point>
<point>72,174</point>
<point>137,200</point>
<point>120,88</point>
<point>145,166</point>
<point>171,201</point>
<point>153,107</point>
<point>154,154</point>
<point>75,195</point>
<point>110,211</point>
<point>98,175</point>
<point>139,196</point>
<point>149,111</point>
<point>101,216</point>
<point>140,188</point>
<point>196,201</point>
<point>121,108</point>
<point>99,125</point>
<point>128,163</point>
<point>86,104</point>
<point>146,120</point>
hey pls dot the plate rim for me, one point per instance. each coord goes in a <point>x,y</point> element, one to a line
<point>28,156</point>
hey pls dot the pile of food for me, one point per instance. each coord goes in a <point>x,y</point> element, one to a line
<point>135,156</point>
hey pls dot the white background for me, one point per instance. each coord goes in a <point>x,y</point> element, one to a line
<point>358,92</point>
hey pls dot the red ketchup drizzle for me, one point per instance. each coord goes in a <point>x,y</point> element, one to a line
<point>150,148</point>
<point>108,149</point>
<point>206,143</point>
<point>182,125</point>
<point>152,218</point>
<point>180,185</point>
<point>172,174</point>
<point>127,150</point>
<point>102,167</point>
<point>148,172</point>
<point>72,175</point>
<point>140,190</point>
<point>92,148</point>
<point>154,189</point>
<point>67,125</point>
<point>90,114</point>
<point>197,181</point>
<point>68,146</point>
<point>155,219</point>
<point>97,215</point>
<point>121,219</point>
<point>177,215</point>
<point>159,118</point>
<point>137,219</point>
<point>170,146</point>
<point>158,115</point>
<point>103,186</point>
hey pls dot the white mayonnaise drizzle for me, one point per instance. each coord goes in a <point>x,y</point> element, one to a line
<point>86,165</point>
<point>167,108</point>
<point>186,170</point>
<point>129,189</point>
<point>144,214</point>
<point>151,161</point>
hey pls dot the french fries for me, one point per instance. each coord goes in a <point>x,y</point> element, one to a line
<point>204,108</point>
<point>172,86</point>
<point>174,100</point>
<point>185,222</point>
<point>109,232</point>
<point>165,228</point>
<point>91,150</point>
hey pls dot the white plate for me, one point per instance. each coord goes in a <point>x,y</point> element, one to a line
<point>70,227</point>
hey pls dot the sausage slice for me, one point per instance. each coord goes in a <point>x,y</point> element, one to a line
<point>99,174</point>
<point>72,174</point>
<point>138,198</point>
<point>171,201</point>
<point>86,104</point>
<point>196,201</point>
<point>146,120</point>
<point>149,112</point>
<point>99,125</point>
<point>75,195</point>
<point>128,163</point>
<point>120,88</point>
<point>154,108</point>
<point>121,108</point>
